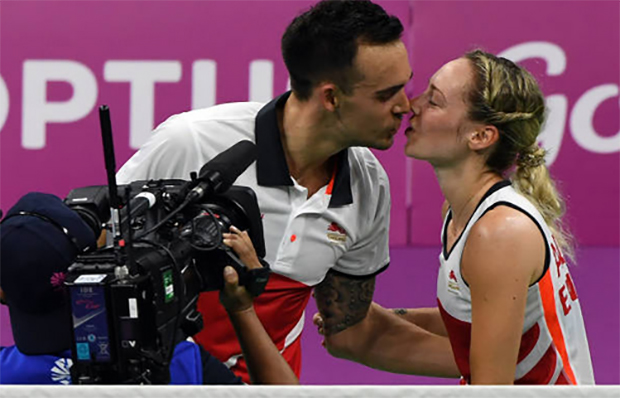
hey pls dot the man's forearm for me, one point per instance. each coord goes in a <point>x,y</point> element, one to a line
<point>384,341</point>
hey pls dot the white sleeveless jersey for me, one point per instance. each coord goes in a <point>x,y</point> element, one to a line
<point>554,348</point>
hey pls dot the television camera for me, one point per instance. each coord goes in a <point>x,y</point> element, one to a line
<point>134,299</point>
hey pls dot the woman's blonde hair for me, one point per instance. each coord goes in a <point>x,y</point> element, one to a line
<point>508,97</point>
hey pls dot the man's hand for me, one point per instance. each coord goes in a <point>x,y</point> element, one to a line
<point>233,297</point>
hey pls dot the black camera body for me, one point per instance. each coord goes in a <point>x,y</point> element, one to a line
<point>133,301</point>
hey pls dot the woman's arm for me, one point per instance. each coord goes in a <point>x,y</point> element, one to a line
<point>503,255</point>
<point>428,319</point>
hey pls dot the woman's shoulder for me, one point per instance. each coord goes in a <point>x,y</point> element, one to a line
<point>505,226</point>
<point>504,239</point>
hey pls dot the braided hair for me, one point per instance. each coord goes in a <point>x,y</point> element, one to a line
<point>507,96</point>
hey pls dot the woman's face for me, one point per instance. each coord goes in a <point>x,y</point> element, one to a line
<point>439,125</point>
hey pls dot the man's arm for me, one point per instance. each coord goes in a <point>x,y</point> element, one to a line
<point>358,330</point>
<point>343,301</point>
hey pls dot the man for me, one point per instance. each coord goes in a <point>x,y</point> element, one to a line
<point>40,238</point>
<point>325,200</point>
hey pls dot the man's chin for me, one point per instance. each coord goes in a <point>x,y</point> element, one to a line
<point>383,144</point>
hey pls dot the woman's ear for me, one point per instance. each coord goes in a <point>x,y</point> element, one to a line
<point>483,137</point>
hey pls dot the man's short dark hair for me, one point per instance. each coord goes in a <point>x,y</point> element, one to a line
<point>322,43</point>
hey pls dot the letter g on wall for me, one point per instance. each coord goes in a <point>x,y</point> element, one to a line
<point>4,103</point>
<point>583,112</point>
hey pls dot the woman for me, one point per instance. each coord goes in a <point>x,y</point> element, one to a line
<point>505,293</point>
<point>506,299</point>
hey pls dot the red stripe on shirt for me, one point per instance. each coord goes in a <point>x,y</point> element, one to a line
<point>544,369</point>
<point>279,308</point>
<point>562,379</point>
<point>459,333</point>
<point>528,342</point>
<point>330,187</point>
<point>553,324</point>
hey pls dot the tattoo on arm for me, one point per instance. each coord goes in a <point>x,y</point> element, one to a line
<point>343,301</point>
<point>400,311</point>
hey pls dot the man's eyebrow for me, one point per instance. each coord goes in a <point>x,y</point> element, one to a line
<point>394,89</point>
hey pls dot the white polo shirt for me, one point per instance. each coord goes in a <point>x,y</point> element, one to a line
<point>343,227</point>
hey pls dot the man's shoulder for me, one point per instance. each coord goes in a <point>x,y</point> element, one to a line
<point>365,164</point>
<point>207,123</point>
<point>223,112</point>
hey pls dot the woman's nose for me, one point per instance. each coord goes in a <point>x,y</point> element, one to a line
<point>413,106</point>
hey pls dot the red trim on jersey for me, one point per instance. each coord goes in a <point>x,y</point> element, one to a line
<point>292,355</point>
<point>279,308</point>
<point>543,371</point>
<point>562,379</point>
<point>528,342</point>
<point>459,333</point>
<point>553,324</point>
<point>330,187</point>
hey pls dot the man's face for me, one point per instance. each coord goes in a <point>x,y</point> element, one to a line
<point>372,113</point>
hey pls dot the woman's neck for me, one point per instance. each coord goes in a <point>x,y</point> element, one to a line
<point>463,187</point>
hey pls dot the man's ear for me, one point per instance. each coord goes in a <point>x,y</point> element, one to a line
<point>330,96</point>
<point>483,137</point>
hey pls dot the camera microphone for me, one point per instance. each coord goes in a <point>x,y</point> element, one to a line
<point>218,175</point>
<point>215,178</point>
<point>138,206</point>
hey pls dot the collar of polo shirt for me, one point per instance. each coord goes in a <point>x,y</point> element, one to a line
<point>271,167</point>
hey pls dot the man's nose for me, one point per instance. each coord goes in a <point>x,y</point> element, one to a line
<point>402,105</point>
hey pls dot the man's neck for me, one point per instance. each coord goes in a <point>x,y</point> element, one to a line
<point>309,148</point>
